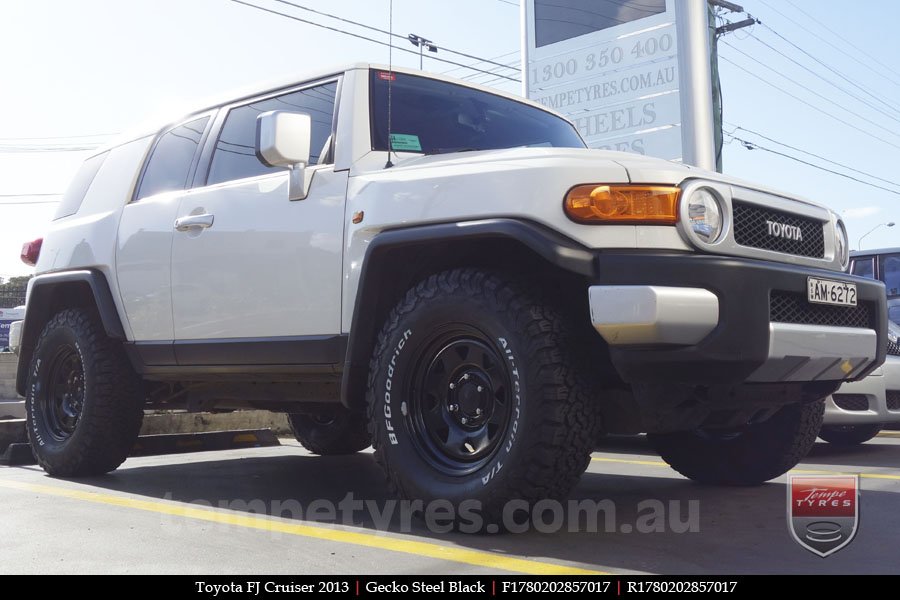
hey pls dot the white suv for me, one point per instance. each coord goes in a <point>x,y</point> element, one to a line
<point>477,303</point>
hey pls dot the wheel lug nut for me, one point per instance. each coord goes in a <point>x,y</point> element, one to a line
<point>466,376</point>
<point>453,408</point>
<point>478,411</point>
<point>480,388</point>
<point>464,420</point>
<point>452,386</point>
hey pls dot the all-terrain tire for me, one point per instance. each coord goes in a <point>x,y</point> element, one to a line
<point>479,355</point>
<point>83,400</point>
<point>756,454</point>
<point>849,435</point>
<point>333,433</point>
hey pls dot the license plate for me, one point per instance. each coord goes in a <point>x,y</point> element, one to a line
<point>826,291</point>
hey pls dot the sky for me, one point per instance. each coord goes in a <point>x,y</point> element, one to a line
<point>73,73</point>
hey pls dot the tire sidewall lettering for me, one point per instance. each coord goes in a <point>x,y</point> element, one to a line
<point>387,400</point>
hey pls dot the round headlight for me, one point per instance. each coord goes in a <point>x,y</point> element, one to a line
<point>842,243</point>
<point>705,214</point>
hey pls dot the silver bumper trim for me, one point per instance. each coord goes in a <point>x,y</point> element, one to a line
<point>649,314</point>
<point>816,353</point>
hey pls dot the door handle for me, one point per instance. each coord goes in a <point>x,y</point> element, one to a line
<point>190,222</point>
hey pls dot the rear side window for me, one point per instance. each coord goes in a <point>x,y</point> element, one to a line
<point>72,198</point>
<point>235,153</point>
<point>170,162</point>
<point>864,267</point>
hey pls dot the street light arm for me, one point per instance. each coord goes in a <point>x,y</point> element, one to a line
<point>859,242</point>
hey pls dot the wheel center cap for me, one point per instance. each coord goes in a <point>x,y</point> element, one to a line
<point>470,399</point>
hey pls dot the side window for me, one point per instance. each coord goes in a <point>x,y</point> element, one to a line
<point>864,267</point>
<point>890,273</point>
<point>170,162</point>
<point>235,153</point>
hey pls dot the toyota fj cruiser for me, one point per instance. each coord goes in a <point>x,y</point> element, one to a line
<point>445,272</point>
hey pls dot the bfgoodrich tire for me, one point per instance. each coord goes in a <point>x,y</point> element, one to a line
<point>750,456</point>
<point>83,402</point>
<point>334,432</point>
<point>472,398</point>
<point>849,435</point>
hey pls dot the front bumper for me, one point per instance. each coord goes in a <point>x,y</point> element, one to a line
<point>701,319</point>
<point>875,399</point>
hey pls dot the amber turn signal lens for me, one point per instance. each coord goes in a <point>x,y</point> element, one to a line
<point>623,204</point>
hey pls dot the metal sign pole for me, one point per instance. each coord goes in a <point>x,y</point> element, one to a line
<point>697,122</point>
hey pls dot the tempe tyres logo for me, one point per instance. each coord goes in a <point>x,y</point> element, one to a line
<point>823,512</point>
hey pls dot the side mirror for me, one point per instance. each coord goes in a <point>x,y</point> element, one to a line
<point>283,140</point>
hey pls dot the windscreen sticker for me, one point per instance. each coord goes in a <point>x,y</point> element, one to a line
<point>403,142</point>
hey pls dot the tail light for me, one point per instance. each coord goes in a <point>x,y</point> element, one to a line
<point>31,251</point>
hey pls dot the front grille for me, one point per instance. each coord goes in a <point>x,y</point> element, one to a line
<point>893,399</point>
<point>751,229</point>
<point>893,348</point>
<point>854,402</point>
<point>785,307</point>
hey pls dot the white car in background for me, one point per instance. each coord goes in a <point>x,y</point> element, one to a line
<point>858,411</point>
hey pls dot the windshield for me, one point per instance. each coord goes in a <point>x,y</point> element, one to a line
<point>434,117</point>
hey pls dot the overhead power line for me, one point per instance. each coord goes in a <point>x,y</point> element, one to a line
<point>880,73</point>
<point>362,37</point>
<point>825,79</point>
<point>386,32</point>
<point>504,55</point>
<point>813,106</point>
<point>754,146</point>
<point>814,155</point>
<point>819,61</point>
<point>831,43</point>
<point>811,91</point>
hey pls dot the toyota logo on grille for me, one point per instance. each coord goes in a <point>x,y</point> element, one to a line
<point>785,232</point>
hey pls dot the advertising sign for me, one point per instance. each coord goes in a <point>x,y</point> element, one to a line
<point>614,68</point>
<point>7,316</point>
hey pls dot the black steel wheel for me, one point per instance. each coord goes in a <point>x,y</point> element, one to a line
<point>474,400</point>
<point>83,404</point>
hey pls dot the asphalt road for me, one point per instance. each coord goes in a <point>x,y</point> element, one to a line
<point>212,512</point>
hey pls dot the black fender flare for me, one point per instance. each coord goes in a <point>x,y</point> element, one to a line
<point>557,249</point>
<point>42,298</point>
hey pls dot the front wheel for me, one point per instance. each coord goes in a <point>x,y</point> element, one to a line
<point>849,435</point>
<point>472,398</point>
<point>750,455</point>
<point>83,403</point>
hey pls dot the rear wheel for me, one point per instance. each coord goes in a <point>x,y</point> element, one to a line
<point>83,402</point>
<point>747,456</point>
<point>472,397</point>
<point>332,432</point>
<point>849,435</point>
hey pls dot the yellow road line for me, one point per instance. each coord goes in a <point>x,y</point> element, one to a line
<point>428,549</point>
<point>659,463</point>
<point>886,433</point>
